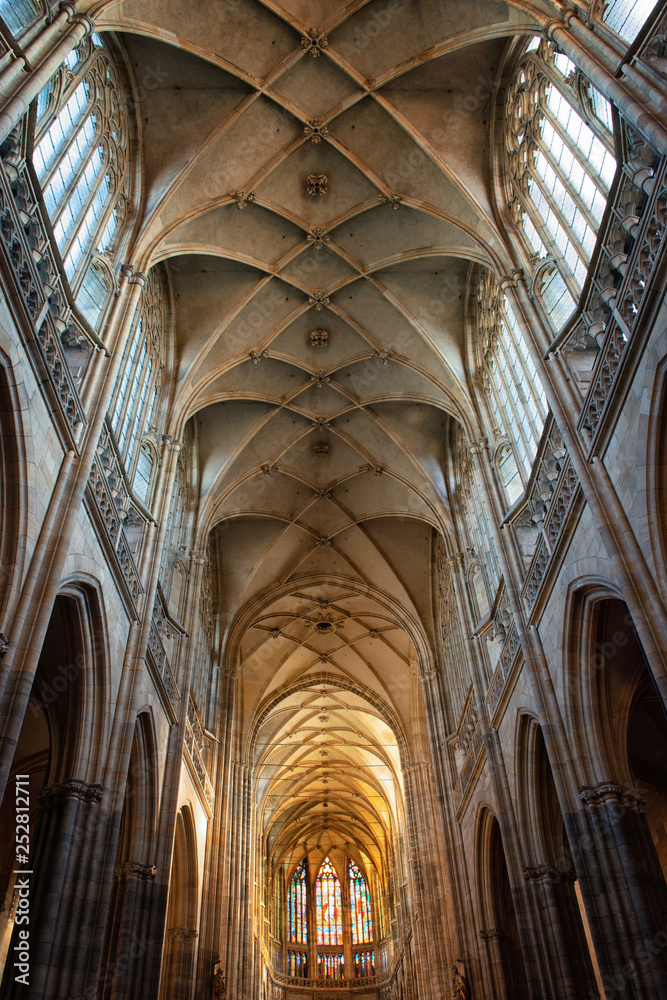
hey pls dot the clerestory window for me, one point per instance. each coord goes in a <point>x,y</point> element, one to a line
<point>138,385</point>
<point>559,144</point>
<point>19,14</point>
<point>516,397</point>
<point>79,156</point>
<point>627,17</point>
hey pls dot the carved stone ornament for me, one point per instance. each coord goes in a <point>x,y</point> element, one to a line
<point>319,338</point>
<point>611,791</point>
<point>321,449</point>
<point>315,130</point>
<point>55,795</point>
<point>320,423</point>
<point>256,356</point>
<point>460,985</point>
<point>4,643</point>
<point>122,873</point>
<point>320,379</point>
<point>243,200</point>
<point>218,985</point>
<point>314,43</point>
<point>549,873</point>
<point>394,200</point>
<point>182,934</point>
<point>318,239</point>
<point>319,300</point>
<point>495,934</point>
<point>316,184</point>
<point>382,356</point>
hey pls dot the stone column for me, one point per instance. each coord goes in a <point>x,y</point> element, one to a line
<point>128,929</point>
<point>46,567</point>
<point>179,963</point>
<point>499,958</point>
<point>566,966</point>
<point>623,889</point>
<point>589,52</point>
<point>64,941</point>
<point>26,93</point>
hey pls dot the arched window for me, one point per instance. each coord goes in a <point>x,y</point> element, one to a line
<point>138,384</point>
<point>517,401</point>
<point>626,17</point>
<point>80,155</point>
<point>360,906</point>
<point>297,917</point>
<point>329,907</point>
<point>143,474</point>
<point>19,14</point>
<point>476,523</point>
<point>561,166</point>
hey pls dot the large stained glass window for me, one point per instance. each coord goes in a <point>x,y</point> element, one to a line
<point>360,905</point>
<point>329,905</point>
<point>296,905</point>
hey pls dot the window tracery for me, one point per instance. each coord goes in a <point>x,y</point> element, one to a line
<point>80,157</point>
<point>360,906</point>
<point>138,385</point>
<point>561,162</point>
<point>516,397</point>
<point>329,905</point>
<point>480,539</point>
<point>19,14</point>
<point>297,918</point>
<point>625,17</point>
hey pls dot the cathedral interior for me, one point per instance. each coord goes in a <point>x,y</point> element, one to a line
<point>333,499</point>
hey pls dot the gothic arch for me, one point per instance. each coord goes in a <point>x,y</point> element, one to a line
<point>13,489</point>
<point>180,948</point>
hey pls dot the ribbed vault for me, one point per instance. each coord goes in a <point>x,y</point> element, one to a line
<point>319,189</point>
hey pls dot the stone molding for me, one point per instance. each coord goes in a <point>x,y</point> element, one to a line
<point>550,874</point>
<point>56,795</point>
<point>132,869</point>
<point>495,934</point>
<point>182,934</point>
<point>612,791</point>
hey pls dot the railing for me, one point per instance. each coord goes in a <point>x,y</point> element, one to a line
<point>629,247</point>
<point>194,742</point>
<point>60,346</point>
<point>365,983</point>
<point>111,506</point>
<point>550,495</point>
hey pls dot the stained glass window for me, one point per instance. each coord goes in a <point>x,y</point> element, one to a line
<point>360,905</point>
<point>297,964</point>
<point>296,905</point>
<point>329,905</point>
<point>331,965</point>
<point>364,964</point>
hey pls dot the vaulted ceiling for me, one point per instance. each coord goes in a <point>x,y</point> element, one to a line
<point>317,177</point>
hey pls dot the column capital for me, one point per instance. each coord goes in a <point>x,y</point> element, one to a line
<point>55,795</point>
<point>512,279</point>
<point>132,869</point>
<point>134,277</point>
<point>495,934</point>
<point>612,791</point>
<point>182,934</point>
<point>549,873</point>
